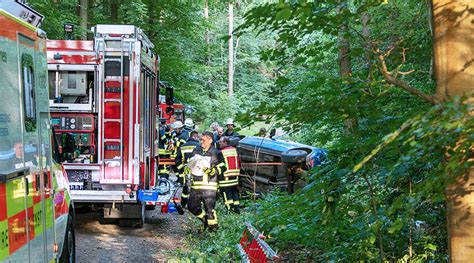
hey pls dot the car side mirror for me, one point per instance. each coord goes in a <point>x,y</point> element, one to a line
<point>272,133</point>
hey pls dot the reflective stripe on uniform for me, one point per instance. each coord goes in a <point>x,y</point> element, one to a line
<point>201,215</point>
<point>213,221</point>
<point>225,183</point>
<point>232,172</point>
<point>227,202</point>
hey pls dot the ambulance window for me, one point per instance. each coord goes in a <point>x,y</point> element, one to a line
<point>29,98</point>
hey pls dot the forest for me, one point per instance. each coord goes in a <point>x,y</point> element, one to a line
<point>360,79</point>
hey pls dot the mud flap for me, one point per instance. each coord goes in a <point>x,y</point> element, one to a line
<point>123,211</point>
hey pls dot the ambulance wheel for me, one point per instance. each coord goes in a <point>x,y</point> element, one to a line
<point>68,253</point>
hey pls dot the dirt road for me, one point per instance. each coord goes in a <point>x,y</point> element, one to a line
<point>161,234</point>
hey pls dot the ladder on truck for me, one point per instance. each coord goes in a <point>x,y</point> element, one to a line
<point>111,126</point>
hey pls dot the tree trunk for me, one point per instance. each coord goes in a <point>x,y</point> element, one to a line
<point>206,33</point>
<point>454,69</point>
<point>231,50</point>
<point>345,66</point>
<point>114,10</point>
<point>83,8</point>
<point>344,58</point>
<point>365,18</point>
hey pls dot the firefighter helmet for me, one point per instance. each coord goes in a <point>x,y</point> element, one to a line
<point>177,125</point>
<point>189,123</point>
<point>229,121</point>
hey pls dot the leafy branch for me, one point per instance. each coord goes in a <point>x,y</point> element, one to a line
<point>391,76</point>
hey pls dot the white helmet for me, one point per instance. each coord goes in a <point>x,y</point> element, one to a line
<point>189,123</point>
<point>229,121</point>
<point>177,125</point>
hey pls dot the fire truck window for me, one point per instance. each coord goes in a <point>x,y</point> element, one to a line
<point>29,98</point>
<point>112,68</point>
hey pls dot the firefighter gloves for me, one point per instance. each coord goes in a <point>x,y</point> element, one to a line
<point>187,170</point>
<point>209,171</point>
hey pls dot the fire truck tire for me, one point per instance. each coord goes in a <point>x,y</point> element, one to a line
<point>68,253</point>
<point>294,156</point>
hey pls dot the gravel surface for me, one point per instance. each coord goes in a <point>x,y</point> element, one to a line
<point>161,234</point>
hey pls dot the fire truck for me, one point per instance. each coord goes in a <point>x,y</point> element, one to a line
<point>104,94</point>
<point>36,212</point>
<point>168,107</point>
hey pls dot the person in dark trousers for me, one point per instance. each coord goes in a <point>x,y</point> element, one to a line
<point>204,186</point>
<point>182,158</point>
<point>163,151</point>
<point>229,180</point>
<point>230,129</point>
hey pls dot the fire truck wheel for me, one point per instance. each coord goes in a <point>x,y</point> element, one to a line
<point>294,156</point>
<point>68,253</point>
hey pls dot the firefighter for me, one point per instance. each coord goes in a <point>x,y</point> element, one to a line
<point>184,153</point>
<point>229,180</point>
<point>163,151</point>
<point>230,128</point>
<point>177,138</point>
<point>204,185</point>
<point>189,126</point>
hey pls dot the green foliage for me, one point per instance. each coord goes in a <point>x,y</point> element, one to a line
<point>397,195</point>
<point>219,245</point>
<point>369,211</point>
<point>197,70</point>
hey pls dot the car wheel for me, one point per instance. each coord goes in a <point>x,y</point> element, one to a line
<point>68,253</point>
<point>294,156</point>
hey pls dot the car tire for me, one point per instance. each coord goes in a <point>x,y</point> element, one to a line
<point>68,254</point>
<point>294,156</point>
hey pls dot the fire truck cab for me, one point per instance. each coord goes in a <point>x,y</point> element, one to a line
<point>103,95</point>
<point>36,214</point>
<point>167,106</point>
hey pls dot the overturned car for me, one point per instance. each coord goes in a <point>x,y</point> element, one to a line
<point>268,163</point>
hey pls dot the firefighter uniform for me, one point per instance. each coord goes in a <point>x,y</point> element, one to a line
<point>229,180</point>
<point>184,153</point>
<point>164,152</point>
<point>204,188</point>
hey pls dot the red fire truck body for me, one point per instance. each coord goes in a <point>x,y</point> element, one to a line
<point>105,92</point>
<point>178,110</point>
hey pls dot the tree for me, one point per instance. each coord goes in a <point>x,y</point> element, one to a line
<point>230,88</point>
<point>83,14</point>
<point>454,69</point>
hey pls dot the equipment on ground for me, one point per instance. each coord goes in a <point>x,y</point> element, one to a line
<point>253,248</point>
